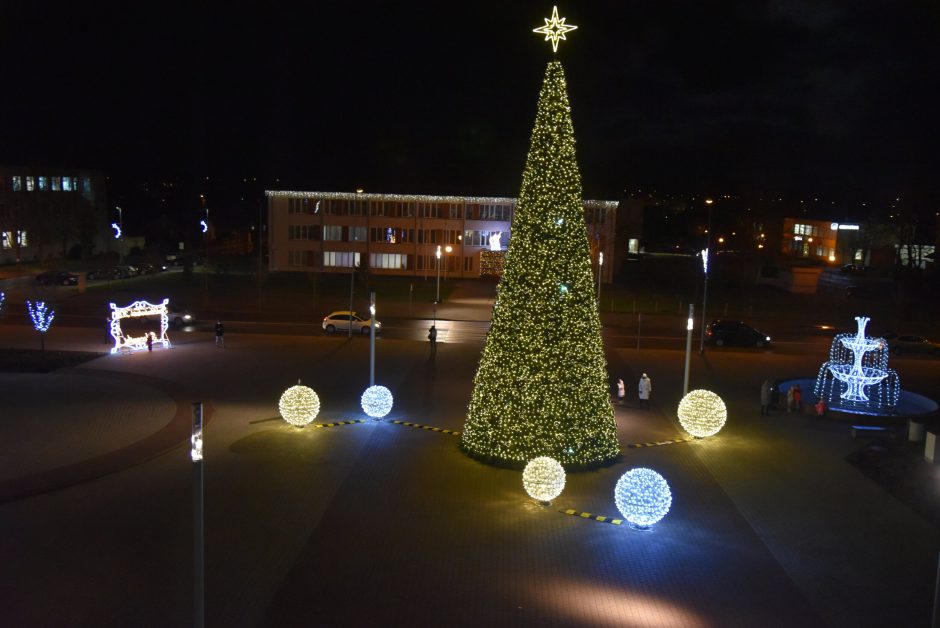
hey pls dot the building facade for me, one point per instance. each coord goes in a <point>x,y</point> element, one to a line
<point>50,213</point>
<point>399,234</point>
<point>821,240</point>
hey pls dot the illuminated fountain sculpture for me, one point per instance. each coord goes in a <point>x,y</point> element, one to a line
<point>860,366</point>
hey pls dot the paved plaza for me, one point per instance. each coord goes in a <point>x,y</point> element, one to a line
<point>381,524</point>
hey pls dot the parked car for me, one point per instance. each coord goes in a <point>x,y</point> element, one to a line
<point>57,278</point>
<point>126,270</point>
<point>147,268</point>
<point>724,332</point>
<point>103,273</point>
<point>908,343</point>
<point>175,317</point>
<point>342,319</point>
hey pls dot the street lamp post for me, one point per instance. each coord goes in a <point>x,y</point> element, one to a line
<point>121,243</point>
<point>371,341</point>
<point>708,242</point>
<point>600,266</point>
<point>688,348</point>
<point>438,255</point>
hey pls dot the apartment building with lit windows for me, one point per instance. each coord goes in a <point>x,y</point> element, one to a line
<point>51,213</point>
<point>399,234</point>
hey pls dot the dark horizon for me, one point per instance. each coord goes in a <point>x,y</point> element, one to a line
<point>770,98</point>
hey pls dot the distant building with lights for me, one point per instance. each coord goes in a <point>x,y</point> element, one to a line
<point>50,213</point>
<point>399,234</point>
<point>822,240</point>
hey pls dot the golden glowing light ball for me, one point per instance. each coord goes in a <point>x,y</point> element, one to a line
<point>702,413</point>
<point>299,405</point>
<point>543,478</point>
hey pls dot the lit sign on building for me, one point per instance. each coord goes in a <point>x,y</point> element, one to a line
<point>837,227</point>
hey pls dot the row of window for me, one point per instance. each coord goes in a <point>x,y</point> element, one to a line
<point>807,230</point>
<point>43,184</point>
<point>393,261</point>
<point>9,239</point>
<point>393,209</point>
<point>396,235</point>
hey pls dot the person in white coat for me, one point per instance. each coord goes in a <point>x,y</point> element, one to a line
<point>621,392</point>
<point>644,389</point>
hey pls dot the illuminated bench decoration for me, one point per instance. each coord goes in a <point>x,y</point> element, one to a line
<point>135,310</point>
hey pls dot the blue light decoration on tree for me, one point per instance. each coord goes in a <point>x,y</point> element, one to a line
<point>2,300</point>
<point>541,388</point>
<point>377,401</point>
<point>42,319</point>
<point>643,497</point>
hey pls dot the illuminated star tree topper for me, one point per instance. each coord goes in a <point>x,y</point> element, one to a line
<point>554,29</point>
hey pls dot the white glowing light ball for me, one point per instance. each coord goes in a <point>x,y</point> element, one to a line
<point>543,478</point>
<point>643,496</point>
<point>377,401</point>
<point>702,413</point>
<point>299,405</point>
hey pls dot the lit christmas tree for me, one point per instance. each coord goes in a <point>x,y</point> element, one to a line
<point>541,387</point>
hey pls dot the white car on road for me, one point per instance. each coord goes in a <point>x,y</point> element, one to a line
<point>341,320</point>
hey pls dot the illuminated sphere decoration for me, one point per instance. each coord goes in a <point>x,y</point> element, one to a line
<point>702,413</point>
<point>299,405</point>
<point>543,479</point>
<point>643,497</point>
<point>377,401</point>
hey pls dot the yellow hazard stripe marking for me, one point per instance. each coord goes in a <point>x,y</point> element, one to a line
<point>337,423</point>
<point>687,439</point>
<point>587,515</point>
<point>430,428</point>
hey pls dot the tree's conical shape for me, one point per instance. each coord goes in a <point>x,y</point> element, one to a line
<point>541,386</point>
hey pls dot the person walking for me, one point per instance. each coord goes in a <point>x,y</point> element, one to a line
<point>765,397</point>
<point>220,335</point>
<point>621,392</point>
<point>644,389</point>
<point>150,341</point>
<point>790,391</point>
<point>432,337</point>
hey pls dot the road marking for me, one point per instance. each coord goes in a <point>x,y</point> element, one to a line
<point>336,423</point>
<point>587,515</point>
<point>687,439</point>
<point>430,428</point>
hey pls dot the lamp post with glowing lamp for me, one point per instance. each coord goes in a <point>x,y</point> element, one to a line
<point>688,348</point>
<point>600,266</point>
<point>371,340</point>
<point>708,242</point>
<point>120,233</point>
<point>438,255</point>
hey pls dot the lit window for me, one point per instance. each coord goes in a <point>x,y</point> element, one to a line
<point>6,240</point>
<point>333,232</point>
<point>66,184</point>
<point>17,184</point>
<point>21,238</point>
<point>340,258</point>
<point>56,184</point>
<point>30,184</point>
<point>43,183</point>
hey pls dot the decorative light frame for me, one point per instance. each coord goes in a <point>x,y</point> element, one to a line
<point>419,198</point>
<point>299,405</point>
<point>138,309</point>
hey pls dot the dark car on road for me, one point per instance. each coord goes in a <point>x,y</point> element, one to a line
<point>909,343</point>
<point>725,332</point>
<point>57,278</point>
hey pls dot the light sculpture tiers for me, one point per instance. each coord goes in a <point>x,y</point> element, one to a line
<point>643,497</point>
<point>702,413</point>
<point>543,479</point>
<point>299,405</point>
<point>376,401</point>
<point>541,385</point>
<point>857,377</point>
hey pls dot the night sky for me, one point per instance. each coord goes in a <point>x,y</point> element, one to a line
<point>797,97</point>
